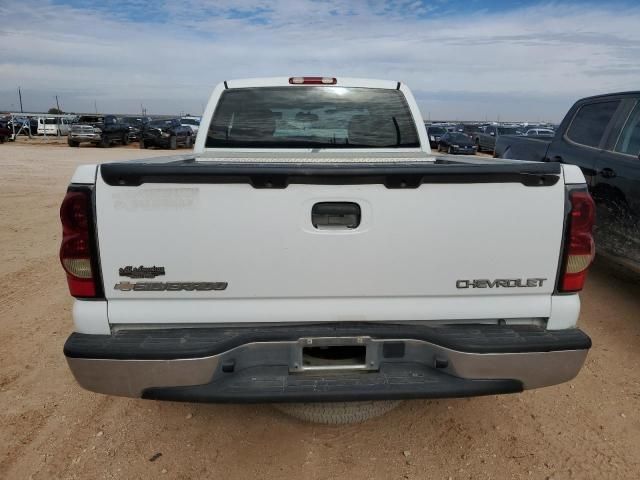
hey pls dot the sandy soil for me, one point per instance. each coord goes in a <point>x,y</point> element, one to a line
<point>50,428</point>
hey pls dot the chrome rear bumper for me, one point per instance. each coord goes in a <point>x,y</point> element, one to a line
<point>395,367</point>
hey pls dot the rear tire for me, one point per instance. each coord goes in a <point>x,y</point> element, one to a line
<point>189,142</point>
<point>338,413</point>
<point>173,143</point>
<point>142,144</point>
<point>125,139</point>
<point>478,147</point>
<point>104,142</point>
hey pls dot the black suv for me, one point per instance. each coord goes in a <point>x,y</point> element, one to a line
<point>168,133</point>
<point>102,130</point>
<point>601,135</point>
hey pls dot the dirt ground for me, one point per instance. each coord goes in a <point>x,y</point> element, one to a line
<point>51,428</point>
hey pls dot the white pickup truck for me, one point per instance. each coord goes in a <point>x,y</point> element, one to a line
<point>312,250</point>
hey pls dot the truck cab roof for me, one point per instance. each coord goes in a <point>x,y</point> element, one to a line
<point>286,81</point>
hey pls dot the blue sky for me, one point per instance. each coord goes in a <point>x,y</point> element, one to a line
<point>472,59</point>
<point>146,11</point>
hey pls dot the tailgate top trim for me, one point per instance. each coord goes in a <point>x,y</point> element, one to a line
<point>280,175</point>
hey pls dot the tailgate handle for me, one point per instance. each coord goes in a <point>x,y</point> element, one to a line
<point>335,215</point>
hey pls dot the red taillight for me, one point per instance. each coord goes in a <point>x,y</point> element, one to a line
<point>313,80</point>
<point>580,248</point>
<point>76,253</point>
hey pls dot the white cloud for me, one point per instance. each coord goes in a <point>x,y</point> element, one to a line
<point>526,63</point>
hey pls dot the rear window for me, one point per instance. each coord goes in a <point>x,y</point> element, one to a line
<point>590,122</point>
<point>436,130</point>
<point>312,117</point>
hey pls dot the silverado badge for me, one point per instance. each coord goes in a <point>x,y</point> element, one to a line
<point>169,286</point>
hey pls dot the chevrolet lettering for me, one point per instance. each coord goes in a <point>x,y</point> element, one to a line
<point>502,283</point>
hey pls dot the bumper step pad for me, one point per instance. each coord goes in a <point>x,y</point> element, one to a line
<point>276,384</point>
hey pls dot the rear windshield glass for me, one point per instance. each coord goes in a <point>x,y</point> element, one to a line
<point>313,117</point>
<point>436,130</point>
<point>189,121</point>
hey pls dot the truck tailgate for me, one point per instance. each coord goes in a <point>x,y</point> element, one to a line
<point>236,243</point>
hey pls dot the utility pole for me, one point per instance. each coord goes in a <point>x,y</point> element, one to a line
<point>20,96</point>
<point>58,104</point>
<point>95,105</point>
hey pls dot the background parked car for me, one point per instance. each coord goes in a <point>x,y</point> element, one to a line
<point>21,126</point>
<point>192,122</point>
<point>434,134</point>
<point>456,143</point>
<point>135,124</point>
<point>53,126</point>
<point>168,133</point>
<point>468,129</point>
<point>487,140</point>
<point>102,130</point>
<point>542,132</point>
<point>601,135</point>
<point>5,133</point>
